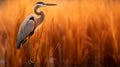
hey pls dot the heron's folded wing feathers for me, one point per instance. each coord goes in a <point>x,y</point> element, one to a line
<point>29,27</point>
<point>24,31</point>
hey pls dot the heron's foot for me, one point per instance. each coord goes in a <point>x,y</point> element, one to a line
<point>30,61</point>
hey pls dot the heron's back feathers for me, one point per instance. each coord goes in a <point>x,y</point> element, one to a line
<point>26,29</point>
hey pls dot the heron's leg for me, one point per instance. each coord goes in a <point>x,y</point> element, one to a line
<point>29,59</point>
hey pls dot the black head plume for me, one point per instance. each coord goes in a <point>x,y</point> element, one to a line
<point>40,3</point>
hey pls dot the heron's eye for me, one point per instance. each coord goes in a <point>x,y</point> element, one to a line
<point>31,18</point>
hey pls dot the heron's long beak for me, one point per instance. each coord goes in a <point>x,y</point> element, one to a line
<point>49,4</point>
<point>45,4</point>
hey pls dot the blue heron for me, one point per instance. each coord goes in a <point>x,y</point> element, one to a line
<point>30,23</point>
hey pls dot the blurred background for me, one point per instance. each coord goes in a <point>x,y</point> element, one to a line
<point>75,33</point>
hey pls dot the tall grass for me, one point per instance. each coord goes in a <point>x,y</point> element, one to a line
<point>82,33</point>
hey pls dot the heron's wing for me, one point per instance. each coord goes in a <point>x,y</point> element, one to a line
<point>24,31</point>
<point>29,27</point>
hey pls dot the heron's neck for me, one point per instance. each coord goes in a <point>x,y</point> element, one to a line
<point>35,10</point>
<point>40,14</point>
<point>40,19</point>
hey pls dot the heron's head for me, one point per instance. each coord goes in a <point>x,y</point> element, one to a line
<point>43,4</point>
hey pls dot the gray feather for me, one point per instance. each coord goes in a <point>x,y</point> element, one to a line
<point>25,29</point>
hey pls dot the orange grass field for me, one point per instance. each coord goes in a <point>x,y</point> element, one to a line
<point>75,33</point>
